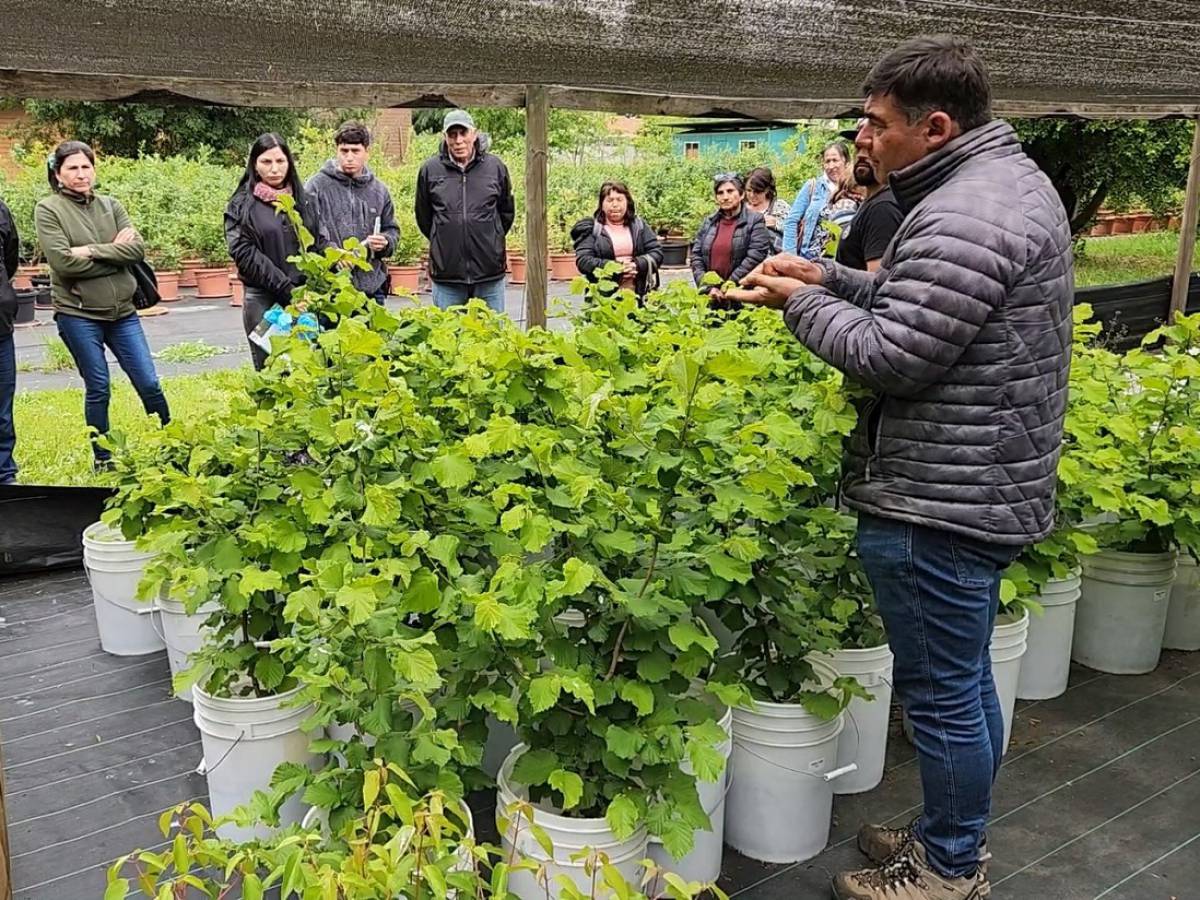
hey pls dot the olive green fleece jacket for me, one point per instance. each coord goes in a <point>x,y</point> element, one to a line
<point>101,287</point>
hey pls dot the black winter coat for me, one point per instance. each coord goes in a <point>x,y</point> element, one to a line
<point>751,245</point>
<point>9,244</point>
<point>964,334</point>
<point>465,215</point>
<point>258,267</point>
<point>594,249</point>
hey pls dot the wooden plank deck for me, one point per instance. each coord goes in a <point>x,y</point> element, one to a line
<point>1098,799</point>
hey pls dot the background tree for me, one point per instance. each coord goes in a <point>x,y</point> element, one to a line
<point>133,129</point>
<point>1094,162</point>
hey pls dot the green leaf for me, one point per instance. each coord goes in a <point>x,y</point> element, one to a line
<point>543,692</point>
<point>453,469</point>
<point>269,671</point>
<point>684,634</point>
<point>444,549</point>
<point>117,889</point>
<point>623,816</point>
<point>359,601</point>
<point>370,789</point>
<point>614,542</point>
<point>655,666</point>
<point>322,794</point>
<point>640,695</point>
<point>569,785</point>
<point>423,594</point>
<point>254,580</point>
<point>578,576</point>
<point>724,566</point>
<point>707,761</point>
<point>623,742</point>
<point>685,374</point>
<point>252,888</point>
<point>383,508</point>
<point>533,767</point>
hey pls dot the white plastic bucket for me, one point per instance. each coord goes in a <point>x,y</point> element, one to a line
<point>864,739</point>
<point>1122,613</point>
<point>569,837</point>
<point>703,863</point>
<point>784,761</point>
<point>183,634</point>
<point>114,568</point>
<point>1006,649</point>
<point>244,740</point>
<point>1047,663</point>
<point>1183,619</point>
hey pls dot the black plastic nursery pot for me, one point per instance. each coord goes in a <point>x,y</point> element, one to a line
<point>675,253</point>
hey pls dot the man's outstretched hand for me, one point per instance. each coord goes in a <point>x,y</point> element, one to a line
<point>775,280</point>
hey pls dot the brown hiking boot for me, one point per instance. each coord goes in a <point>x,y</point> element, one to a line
<point>908,876</point>
<point>879,843</point>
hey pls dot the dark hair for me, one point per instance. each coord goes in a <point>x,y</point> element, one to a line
<point>352,132</point>
<point>261,145</point>
<point>61,152</point>
<point>762,180</point>
<point>840,146</point>
<point>616,187</point>
<point>729,178</point>
<point>937,72</point>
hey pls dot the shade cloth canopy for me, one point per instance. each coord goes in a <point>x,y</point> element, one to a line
<point>762,58</point>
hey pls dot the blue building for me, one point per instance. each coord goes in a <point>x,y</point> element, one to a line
<point>695,139</point>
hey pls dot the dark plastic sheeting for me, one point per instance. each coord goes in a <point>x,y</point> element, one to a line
<point>42,527</point>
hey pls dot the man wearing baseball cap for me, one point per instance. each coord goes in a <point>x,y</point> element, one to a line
<point>465,208</point>
<point>877,219</point>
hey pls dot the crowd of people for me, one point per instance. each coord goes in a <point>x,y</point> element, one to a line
<point>464,207</point>
<point>949,298</point>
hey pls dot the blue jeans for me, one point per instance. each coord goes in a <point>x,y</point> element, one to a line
<point>491,292</point>
<point>8,387</point>
<point>86,339</point>
<point>938,594</point>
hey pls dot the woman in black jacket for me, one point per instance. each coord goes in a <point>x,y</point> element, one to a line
<point>616,233</point>
<point>261,239</point>
<point>730,242</point>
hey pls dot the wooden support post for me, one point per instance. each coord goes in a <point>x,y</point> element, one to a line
<point>1187,231</point>
<point>537,115</point>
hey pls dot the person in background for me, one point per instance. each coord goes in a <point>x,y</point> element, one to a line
<point>465,208</point>
<point>350,202</point>
<point>838,216</point>
<point>9,244</point>
<point>260,238</point>
<point>615,232</point>
<point>963,335</point>
<point>90,244</point>
<point>763,197</point>
<point>731,242</point>
<point>802,221</point>
<point>878,217</point>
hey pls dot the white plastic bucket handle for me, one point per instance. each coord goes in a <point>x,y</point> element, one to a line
<point>147,611</point>
<point>826,777</point>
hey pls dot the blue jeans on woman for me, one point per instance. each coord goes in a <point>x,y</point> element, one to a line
<point>8,387</point>
<point>86,339</point>
<point>938,594</point>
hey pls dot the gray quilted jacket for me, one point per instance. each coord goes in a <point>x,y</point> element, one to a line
<point>964,335</point>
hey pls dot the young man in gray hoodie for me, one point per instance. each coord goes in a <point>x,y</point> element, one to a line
<point>352,203</point>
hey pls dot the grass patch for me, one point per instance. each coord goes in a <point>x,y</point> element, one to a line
<point>189,351</point>
<point>52,441</point>
<point>55,358</point>
<point>1125,258</point>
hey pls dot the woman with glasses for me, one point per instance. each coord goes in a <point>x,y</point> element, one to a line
<point>763,197</point>
<point>730,242</point>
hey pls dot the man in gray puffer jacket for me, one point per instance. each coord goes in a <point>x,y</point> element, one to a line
<point>352,203</point>
<point>964,337</point>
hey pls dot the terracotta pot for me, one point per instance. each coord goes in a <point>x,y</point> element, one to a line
<point>1122,225</point>
<point>213,283</point>
<point>1174,223</point>
<point>168,286</point>
<point>1102,228</point>
<point>238,297</point>
<point>562,266</point>
<point>405,278</point>
<point>1141,223</point>
<point>1157,224</point>
<point>188,269</point>
<point>516,268</point>
<point>23,280</point>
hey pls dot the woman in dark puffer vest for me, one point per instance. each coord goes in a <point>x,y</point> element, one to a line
<point>616,233</point>
<point>261,239</point>
<point>730,242</point>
